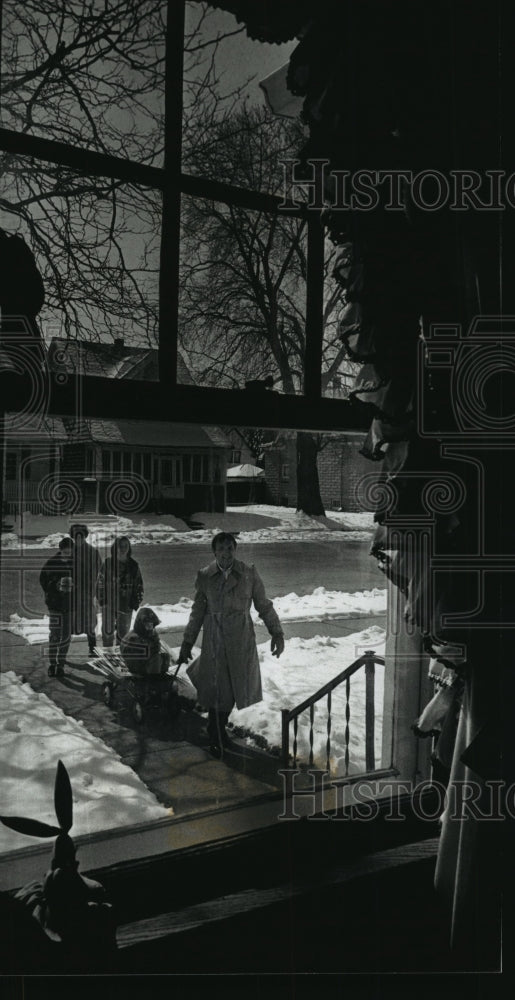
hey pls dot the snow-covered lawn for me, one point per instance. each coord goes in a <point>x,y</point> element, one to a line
<point>250,524</point>
<point>254,524</point>
<point>321,605</point>
<point>35,734</point>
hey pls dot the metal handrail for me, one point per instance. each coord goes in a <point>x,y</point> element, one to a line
<point>368,661</point>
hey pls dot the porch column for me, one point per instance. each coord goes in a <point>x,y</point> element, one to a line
<point>406,691</point>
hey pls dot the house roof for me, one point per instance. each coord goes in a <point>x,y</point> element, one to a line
<point>159,434</point>
<point>287,436</point>
<point>24,426</point>
<point>116,360</point>
<point>109,360</point>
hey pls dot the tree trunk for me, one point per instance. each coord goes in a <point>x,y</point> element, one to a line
<point>308,486</point>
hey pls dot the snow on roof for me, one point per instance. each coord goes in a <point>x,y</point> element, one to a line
<point>245,471</point>
<point>217,437</point>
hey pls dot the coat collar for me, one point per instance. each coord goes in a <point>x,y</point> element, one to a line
<point>236,568</point>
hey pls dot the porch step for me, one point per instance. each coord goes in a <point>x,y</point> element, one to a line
<point>247,901</point>
<point>375,913</point>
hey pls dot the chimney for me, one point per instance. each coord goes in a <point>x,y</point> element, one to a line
<point>119,343</point>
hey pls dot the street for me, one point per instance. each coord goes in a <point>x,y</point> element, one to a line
<point>169,571</point>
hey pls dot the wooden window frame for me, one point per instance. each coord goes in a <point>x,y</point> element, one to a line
<point>166,400</point>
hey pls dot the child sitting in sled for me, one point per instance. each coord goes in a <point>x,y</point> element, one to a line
<point>141,649</point>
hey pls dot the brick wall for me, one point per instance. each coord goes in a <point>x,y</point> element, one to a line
<point>340,470</point>
<point>281,488</point>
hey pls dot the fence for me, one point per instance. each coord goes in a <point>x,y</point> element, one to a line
<point>18,496</point>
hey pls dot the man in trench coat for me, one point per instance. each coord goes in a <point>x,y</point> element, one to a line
<point>227,671</point>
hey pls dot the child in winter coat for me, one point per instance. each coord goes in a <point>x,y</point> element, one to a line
<point>141,648</point>
<point>119,591</point>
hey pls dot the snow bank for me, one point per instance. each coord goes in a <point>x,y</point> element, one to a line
<point>321,605</point>
<point>254,524</point>
<point>289,517</point>
<point>258,523</point>
<point>324,605</point>
<point>35,734</point>
<point>304,667</point>
<point>37,531</point>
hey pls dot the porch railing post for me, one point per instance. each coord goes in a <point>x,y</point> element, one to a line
<point>285,736</point>
<point>368,662</point>
<point>370,711</point>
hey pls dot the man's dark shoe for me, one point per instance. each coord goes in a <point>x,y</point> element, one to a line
<point>215,750</point>
<point>93,654</point>
<point>59,670</point>
<point>216,728</point>
<point>51,670</point>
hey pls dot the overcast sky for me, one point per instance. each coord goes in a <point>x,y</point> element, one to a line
<point>240,57</point>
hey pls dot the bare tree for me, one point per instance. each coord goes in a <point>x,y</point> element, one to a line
<point>254,438</point>
<point>243,280</point>
<point>91,74</point>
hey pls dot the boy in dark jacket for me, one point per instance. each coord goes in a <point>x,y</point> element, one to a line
<point>56,579</point>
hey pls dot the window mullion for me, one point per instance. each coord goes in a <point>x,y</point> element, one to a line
<point>86,161</point>
<point>171,212</point>
<point>259,201</point>
<point>314,309</point>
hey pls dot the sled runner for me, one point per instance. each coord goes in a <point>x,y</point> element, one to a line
<point>145,691</point>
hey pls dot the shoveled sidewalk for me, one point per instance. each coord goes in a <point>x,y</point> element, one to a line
<point>170,756</point>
